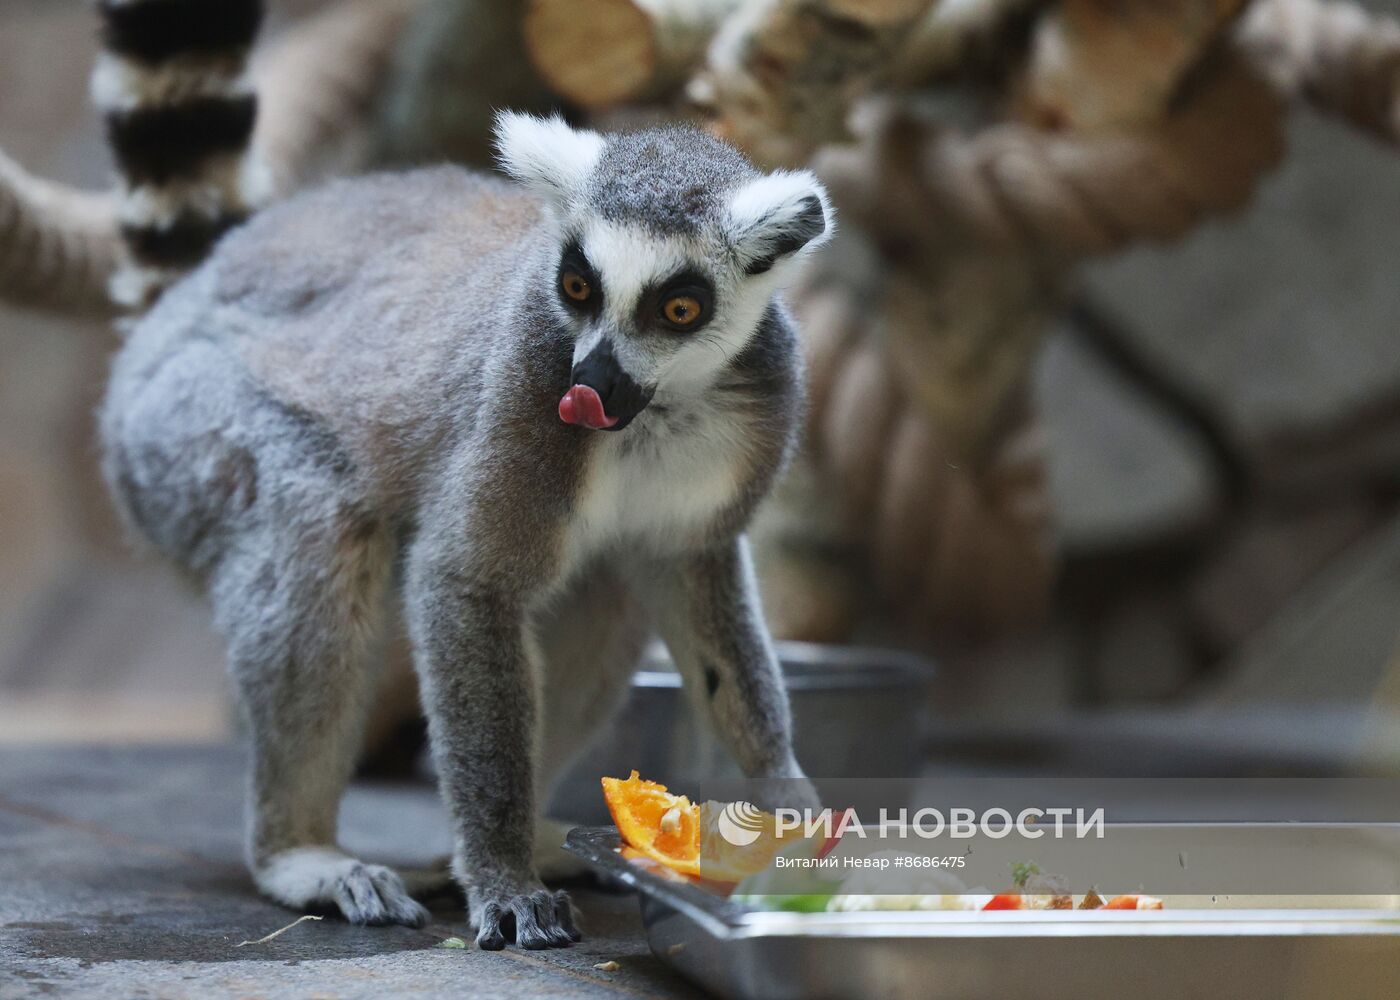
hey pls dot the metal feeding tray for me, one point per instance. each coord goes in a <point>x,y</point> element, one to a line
<point>1305,948</point>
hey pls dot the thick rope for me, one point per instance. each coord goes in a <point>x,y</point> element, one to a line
<point>57,244</point>
<point>956,518</point>
<point>949,544</point>
<point>1061,194</point>
<point>1339,55</point>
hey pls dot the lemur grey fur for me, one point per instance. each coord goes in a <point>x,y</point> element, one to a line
<point>534,418</point>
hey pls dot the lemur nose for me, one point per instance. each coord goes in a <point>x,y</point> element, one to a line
<point>603,396</point>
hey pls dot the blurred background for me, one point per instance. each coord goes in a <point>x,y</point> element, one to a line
<point>1104,363</point>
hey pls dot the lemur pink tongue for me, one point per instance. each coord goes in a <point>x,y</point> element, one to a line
<point>582,405</point>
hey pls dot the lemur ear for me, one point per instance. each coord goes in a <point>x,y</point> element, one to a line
<point>545,154</point>
<point>777,215</point>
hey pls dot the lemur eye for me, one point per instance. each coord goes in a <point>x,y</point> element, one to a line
<point>575,286</point>
<point>681,310</point>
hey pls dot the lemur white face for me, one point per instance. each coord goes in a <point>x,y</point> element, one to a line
<point>670,249</point>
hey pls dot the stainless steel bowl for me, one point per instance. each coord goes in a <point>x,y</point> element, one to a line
<point>857,713</point>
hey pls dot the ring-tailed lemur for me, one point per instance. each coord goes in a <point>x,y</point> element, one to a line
<point>388,394</point>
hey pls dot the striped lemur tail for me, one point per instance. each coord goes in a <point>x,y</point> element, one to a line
<point>172,83</point>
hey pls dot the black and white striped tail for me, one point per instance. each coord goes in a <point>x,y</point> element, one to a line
<point>172,83</point>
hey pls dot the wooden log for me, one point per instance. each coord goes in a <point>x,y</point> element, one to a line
<point>1111,63</point>
<point>599,53</point>
<point>782,74</point>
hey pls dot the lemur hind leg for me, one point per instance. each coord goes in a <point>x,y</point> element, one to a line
<point>299,610</point>
<point>259,502</point>
<point>587,645</point>
<point>300,598</point>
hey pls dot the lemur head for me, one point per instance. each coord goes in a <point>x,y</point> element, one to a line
<point>670,249</point>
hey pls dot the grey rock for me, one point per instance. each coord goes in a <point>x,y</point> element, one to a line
<point>1248,576</point>
<point>1333,644</point>
<point>1283,320</point>
<point>1122,471</point>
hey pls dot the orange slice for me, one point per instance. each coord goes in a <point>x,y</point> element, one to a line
<point>651,820</point>
<point>723,860</point>
<point>652,865</point>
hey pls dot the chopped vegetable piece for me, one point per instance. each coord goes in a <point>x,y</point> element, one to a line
<point>811,902</point>
<point>1005,901</point>
<point>609,966</point>
<point>838,823</point>
<point>1047,892</point>
<point>1021,871</point>
<point>452,942</point>
<point>1134,901</point>
<point>1092,901</point>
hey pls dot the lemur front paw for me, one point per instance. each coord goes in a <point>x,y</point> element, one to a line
<point>310,877</point>
<point>533,919</point>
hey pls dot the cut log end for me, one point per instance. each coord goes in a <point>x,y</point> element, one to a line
<point>596,53</point>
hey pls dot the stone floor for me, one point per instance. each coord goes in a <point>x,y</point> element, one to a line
<point>120,876</point>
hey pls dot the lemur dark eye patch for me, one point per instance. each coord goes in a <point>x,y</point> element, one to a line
<point>682,303</point>
<point>578,284</point>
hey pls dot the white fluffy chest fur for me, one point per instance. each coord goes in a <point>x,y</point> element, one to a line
<point>662,487</point>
